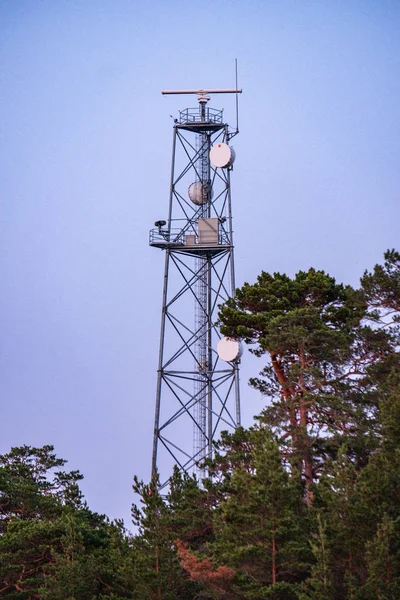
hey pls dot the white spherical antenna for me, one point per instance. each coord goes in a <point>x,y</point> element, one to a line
<point>229,349</point>
<point>222,155</point>
<point>198,192</point>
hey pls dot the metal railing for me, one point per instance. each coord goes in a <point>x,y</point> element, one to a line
<point>193,115</point>
<point>179,237</point>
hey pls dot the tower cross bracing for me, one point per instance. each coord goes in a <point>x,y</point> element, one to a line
<point>197,392</point>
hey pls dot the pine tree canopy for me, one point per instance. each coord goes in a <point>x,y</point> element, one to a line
<point>319,346</point>
<point>302,505</point>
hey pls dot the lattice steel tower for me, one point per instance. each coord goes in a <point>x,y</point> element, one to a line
<point>198,378</point>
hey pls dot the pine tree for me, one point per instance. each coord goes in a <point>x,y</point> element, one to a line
<point>260,521</point>
<point>382,286</point>
<point>90,559</point>
<point>319,585</point>
<point>157,572</point>
<point>33,486</point>
<point>378,490</point>
<point>318,348</point>
<point>33,494</point>
<point>215,580</point>
<point>383,562</point>
<point>190,510</point>
<point>51,545</point>
<point>339,510</point>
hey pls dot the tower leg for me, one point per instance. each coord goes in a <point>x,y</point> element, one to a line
<point>159,370</point>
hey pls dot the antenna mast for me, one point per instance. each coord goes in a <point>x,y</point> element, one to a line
<point>198,376</point>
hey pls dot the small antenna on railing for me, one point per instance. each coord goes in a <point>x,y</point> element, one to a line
<point>237,97</point>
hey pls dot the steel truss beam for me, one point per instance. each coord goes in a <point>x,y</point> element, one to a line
<point>197,393</point>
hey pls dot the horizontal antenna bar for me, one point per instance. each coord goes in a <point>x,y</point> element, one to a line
<point>201,92</point>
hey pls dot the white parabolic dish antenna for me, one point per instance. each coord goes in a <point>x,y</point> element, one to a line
<point>222,155</point>
<point>229,349</point>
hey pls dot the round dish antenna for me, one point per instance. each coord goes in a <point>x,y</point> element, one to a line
<point>199,192</point>
<point>229,349</point>
<point>222,155</point>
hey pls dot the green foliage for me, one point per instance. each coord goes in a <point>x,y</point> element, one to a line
<point>157,571</point>
<point>260,523</point>
<point>304,505</point>
<point>319,585</point>
<point>339,527</point>
<point>31,487</point>
<point>383,561</point>
<point>51,545</point>
<point>319,349</point>
<point>382,286</point>
<point>92,559</point>
<point>191,510</point>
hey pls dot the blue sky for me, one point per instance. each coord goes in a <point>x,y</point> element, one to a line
<point>85,158</point>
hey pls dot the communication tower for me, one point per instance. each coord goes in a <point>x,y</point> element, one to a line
<point>197,392</point>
